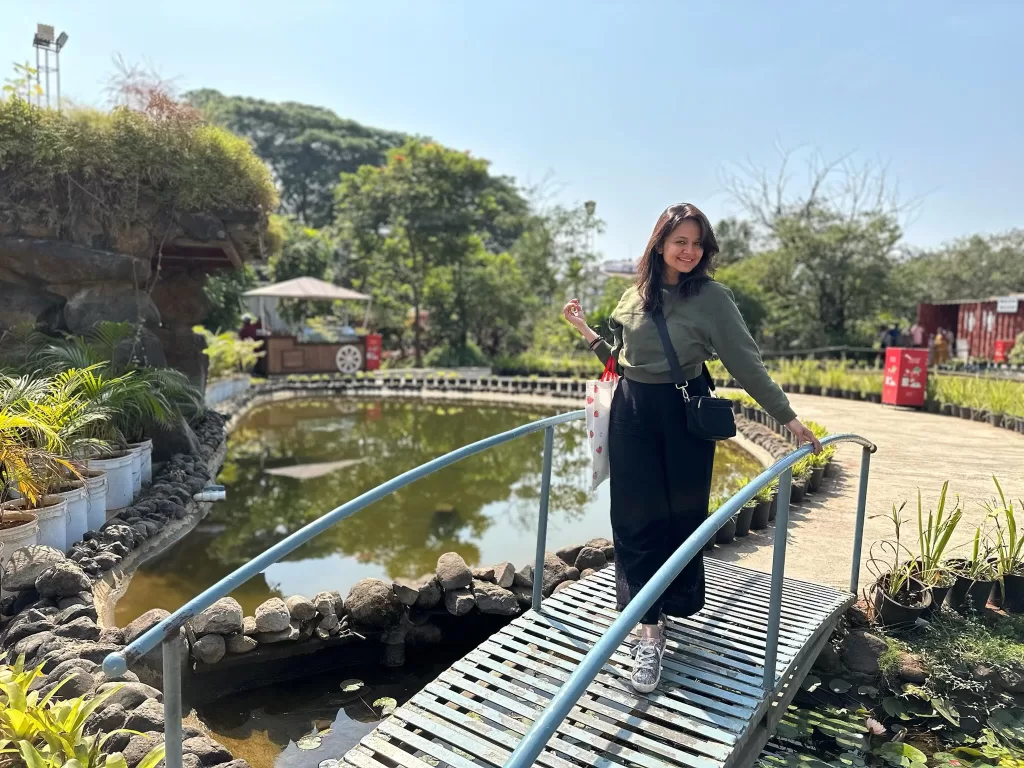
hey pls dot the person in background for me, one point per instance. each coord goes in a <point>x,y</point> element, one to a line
<point>917,335</point>
<point>941,348</point>
<point>891,337</point>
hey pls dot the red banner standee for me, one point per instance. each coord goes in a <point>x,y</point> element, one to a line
<point>906,377</point>
<point>374,343</point>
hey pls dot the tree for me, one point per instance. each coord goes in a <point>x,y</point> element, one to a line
<point>306,147</point>
<point>428,208</point>
<point>224,289</point>
<point>838,238</point>
<point>735,240</point>
<point>975,267</point>
<point>305,252</point>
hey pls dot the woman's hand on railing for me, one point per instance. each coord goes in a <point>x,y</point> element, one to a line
<point>803,435</point>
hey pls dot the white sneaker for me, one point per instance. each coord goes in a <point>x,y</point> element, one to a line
<point>647,664</point>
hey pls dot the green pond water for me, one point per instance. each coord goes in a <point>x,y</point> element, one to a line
<point>289,463</point>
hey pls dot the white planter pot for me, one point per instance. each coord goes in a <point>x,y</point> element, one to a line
<point>119,479</point>
<point>26,534</point>
<point>78,512</point>
<point>146,450</point>
<point>136,454</point>
<point>96,485</point>
<point>52,519</point>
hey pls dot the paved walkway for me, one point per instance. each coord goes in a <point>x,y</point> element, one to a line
<point>915,450</point>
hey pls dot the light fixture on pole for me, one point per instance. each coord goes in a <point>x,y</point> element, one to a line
<point>45,42</point>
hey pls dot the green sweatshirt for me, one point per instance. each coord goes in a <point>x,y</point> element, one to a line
<point>700,326</point>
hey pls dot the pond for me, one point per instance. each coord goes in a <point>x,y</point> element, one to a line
<point>288,463</point>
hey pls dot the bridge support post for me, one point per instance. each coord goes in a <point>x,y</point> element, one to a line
<point>858,533</point>
<point>172,699</point>
<point>542,519</point>
<point>771,641</point>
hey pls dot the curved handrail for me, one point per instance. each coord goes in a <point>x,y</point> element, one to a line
<point>530,747</point>
<point>115,664</point>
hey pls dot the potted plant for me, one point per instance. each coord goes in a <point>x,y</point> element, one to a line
<point>1009,554</point>
<point>96,490</point>
<point>817,464</point>
<point>773,506</point>
<point>974,577</point>
<point>898,598</point>
<point>801,476</point>
<point>744,518</point>
<point>762,508</point>
<point>933,534</point>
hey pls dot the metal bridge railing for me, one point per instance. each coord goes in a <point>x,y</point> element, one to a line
<point>168,632</point>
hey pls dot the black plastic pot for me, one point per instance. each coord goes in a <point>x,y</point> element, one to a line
<point>710,545</point>
<point>773,507</point>
<point>1011,596</point>
<point>893,614</point>
<point>727,532</point>
<point>743,519</point>
<point>829,468</point>
<point>797,491</point>
<point>938,597</point>
<point>969,594</point>
<point>966,413</point>
<point>814,482</point>
<point>759,520</point>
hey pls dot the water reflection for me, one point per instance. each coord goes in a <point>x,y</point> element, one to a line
<point>289,463</point>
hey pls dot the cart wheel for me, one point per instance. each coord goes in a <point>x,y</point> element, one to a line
<point>349,359</point>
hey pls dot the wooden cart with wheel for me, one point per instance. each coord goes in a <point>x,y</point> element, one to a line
<point>291,350</point>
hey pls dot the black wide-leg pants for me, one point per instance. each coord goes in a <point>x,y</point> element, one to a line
<point>660,485</point>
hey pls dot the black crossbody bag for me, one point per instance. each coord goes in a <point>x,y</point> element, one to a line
<point>707,418</point>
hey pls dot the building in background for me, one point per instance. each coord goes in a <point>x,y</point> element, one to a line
<point>983,328</point>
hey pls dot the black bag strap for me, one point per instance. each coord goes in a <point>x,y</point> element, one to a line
<point>666,342</point>
<point>673,361</point>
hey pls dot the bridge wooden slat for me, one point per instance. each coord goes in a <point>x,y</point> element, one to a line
<point>709,711</point>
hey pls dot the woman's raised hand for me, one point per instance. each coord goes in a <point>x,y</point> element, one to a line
<point>573,312</point>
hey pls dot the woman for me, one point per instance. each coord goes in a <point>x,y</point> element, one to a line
<point>660,474</point>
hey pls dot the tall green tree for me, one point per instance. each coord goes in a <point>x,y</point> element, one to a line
<point>735,240</point>
<point>428,208</point>
<point>305,252</point>
<point>306,147</point>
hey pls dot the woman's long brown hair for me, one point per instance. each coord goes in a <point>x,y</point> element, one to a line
<point>650,271</point>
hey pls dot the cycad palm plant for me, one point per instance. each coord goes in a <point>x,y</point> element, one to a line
<point>30,449</point>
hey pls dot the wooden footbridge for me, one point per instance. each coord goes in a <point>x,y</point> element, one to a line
<point>552,688</point>
<point>710,710</point>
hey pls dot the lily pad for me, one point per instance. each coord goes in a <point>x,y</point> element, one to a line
<point>811,683</point>
<point>900,754</point>
<point>309,742</point>
<point>894,707</point>
<point>387,705</point>
<point>351,686</point>
<point>787,731</point>
<point>838,685</point>
<point>867,690</point>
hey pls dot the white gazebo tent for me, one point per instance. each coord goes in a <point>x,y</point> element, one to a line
<point>307,288</point>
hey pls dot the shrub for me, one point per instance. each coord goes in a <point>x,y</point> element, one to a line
<point>228,354</point>
<point>448,357</point>
<point>60,168</point>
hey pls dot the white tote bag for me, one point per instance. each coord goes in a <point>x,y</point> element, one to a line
<point>598,407</point>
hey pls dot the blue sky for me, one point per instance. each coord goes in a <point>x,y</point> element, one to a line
<point>633,104</point>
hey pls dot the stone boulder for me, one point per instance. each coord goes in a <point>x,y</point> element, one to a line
<point>452,572</point>
<point>62,579</point>
<point>591,557</point>
<point>148,716</point>
<point>273,616</point>
<point>209,752</point>
<point>239,644</point>
<point>143,624</point>
<point>224,617</point>
<point>430,593</point>
<point>300,608</point>
<point>493,599</point>
<point>460,601</point>
<point>114,302</point>
<point>406,592</point>
<point>912,669</point>
<point>209,649</point>
<point>372,603</point>
<point>862,650</point>
<point>569,554</point>
<point>82,628</point>
<point>128,696</point>
<point>555,572</point>
<point>27,564</point>
<point>325,603</point>
<point>605,546</point>
<point>287,635</point>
